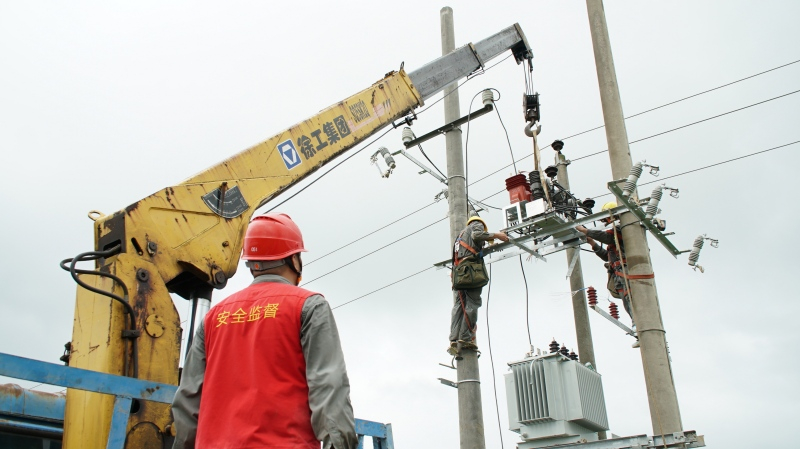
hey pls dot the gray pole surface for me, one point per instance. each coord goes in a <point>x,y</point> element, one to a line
<point>470,409</point>
<point>664,411</point>
<point>580,309</point>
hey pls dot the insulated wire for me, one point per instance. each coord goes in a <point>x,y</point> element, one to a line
<point>527,301</point>
<point>429,160</point>
<point>491,358</point>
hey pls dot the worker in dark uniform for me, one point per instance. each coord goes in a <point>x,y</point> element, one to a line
<point>266,368</point>
<point>464,314</point>
<point>613,255</point>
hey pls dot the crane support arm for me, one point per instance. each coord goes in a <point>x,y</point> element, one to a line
<point>186,239</point>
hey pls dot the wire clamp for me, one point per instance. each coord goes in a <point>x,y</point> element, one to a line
<point>131,334</point>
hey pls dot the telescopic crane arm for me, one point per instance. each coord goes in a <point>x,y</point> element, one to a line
<point>187,238</point>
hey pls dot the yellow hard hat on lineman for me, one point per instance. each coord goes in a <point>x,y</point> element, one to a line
<point>609,205</point>
<point>477,218</point>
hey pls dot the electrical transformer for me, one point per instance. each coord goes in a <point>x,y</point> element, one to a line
<point>554,400</point>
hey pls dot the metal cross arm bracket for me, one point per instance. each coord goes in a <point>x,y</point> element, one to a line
<point>640,214</point>
<point>450,126</point>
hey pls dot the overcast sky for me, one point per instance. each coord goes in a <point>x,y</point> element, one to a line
<point>104,103</point>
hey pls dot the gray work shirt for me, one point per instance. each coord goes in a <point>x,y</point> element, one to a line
<point>475,236</point>
<point>328,386</point>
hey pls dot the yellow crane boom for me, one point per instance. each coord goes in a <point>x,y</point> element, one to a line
<point>187,238</point>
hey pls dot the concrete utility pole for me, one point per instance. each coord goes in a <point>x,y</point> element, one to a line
<point>664,411</point>
<point>580,309</point>
<point>470,408</point>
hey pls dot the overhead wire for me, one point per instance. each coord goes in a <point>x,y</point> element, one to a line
<point>381,288</point>
<point>372,232</point>
<point>645,138</point>
<point>543,148</point>
<point>375,251</point>
<point>711,165</point>
<point>501,191</point>
<point>693,123</point>
<point>491,358</point>
<point>330,170</point>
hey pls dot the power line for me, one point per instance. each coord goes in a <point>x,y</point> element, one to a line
<point>658,180</point>
<point>646,111</point>
<point>373,232</point>
<point>331,169</point>
<point>712,165</point>
<point>385,286</point>
<point>568,137</point>
<point>375,251</point>
<point>690,96</point>
<point>693,123</point>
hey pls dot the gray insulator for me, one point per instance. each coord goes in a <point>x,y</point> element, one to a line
<point>408,135</point>
<point>387,156</point>
<point>487,96</point>
<point>694,255</point>
<point>633,178</point>
<point>652,206</point>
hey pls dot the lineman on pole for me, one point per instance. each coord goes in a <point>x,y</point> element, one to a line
<point>469,277</point>
<point>613,254</point>
<point>266,368</point>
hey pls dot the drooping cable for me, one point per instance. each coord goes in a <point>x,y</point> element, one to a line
<point>74,272</point>
<point>508,139</point>
<point>429,160</point>
<point>527,302</point>
<point>491,357</point>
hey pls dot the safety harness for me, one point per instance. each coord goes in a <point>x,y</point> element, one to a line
<point>456,261</point>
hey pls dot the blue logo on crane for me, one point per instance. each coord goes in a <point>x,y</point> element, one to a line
<point>289,154</point>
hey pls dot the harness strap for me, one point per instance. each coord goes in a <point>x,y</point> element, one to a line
<point>635,276</point>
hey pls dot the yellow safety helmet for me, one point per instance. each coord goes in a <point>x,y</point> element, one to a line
<point>609,205</point>
<point>477,218</point>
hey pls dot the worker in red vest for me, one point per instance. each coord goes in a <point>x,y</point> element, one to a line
<point>266,367</point>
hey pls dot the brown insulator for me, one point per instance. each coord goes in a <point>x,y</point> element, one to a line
<point>614,310</point>
<point>572,355</point>
<point>592,294</point>
<point>553,346</point>
<point>564,351</point>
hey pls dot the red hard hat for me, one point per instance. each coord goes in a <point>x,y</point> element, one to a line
<point>272,237</point>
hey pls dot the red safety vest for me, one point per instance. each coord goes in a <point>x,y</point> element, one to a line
<point>255,393</point>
